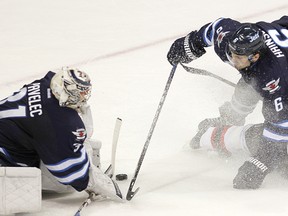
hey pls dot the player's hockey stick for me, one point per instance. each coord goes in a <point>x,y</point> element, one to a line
<point>86,203</point>
<point>207,73</point>
<point>131,193</point>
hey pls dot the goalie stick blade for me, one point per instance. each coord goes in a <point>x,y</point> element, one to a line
<point>77,213</point>
<point>131,194</point>
<point>109,171</point>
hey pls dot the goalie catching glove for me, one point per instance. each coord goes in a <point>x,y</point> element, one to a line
<point>185,49</point>
<point>100,184</point>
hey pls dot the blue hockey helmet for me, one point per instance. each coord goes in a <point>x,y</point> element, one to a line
<point>247,40</point>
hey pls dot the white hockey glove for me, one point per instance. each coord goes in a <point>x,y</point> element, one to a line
<point>102,185</point>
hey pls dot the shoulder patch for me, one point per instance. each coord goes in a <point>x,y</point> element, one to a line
<point>272,86</point>
<point>220,37</point>
<point>80,134</point>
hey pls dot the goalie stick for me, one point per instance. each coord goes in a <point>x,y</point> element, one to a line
<point>131,193</point>
<point>111,168</point>
<point>117,127</point>
<point>207,73</point>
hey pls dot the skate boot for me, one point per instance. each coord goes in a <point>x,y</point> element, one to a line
<point>202,128</point>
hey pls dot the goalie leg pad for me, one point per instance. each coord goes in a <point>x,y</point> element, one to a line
<point>50,183</point>
<point>20,190</point>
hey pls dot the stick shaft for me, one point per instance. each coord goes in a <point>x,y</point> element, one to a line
<point>118,124</point>
<point>130,192</point>
<point>85,203</point>
<point>207,73</point>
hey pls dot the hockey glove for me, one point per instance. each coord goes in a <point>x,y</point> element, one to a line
<point>185,49</point>
<point>101,184</point>
<point>250,175</point>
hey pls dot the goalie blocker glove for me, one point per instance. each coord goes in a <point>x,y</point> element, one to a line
<point>185,49</point>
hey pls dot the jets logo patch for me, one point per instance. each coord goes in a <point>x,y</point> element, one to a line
<point>80,134</point>
<point>220,37</point>
<point>272,86</point>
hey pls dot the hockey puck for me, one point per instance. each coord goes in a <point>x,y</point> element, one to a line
<point>121,177</point>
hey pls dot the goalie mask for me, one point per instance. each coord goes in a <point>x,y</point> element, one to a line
<point>71,87</point>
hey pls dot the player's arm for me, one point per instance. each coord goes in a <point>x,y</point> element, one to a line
<point>69,169</point>
<point>242,103</point>
<point>77,171</point>
<point>64,155</point>
<point>283,21</point>
<point>192,46</point>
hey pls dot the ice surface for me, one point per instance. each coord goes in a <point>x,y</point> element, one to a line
<point>123,44</point>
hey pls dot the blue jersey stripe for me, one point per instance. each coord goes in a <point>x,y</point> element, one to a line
<point>271,135</point>
<point>75,175</point>
<point>67,163</point>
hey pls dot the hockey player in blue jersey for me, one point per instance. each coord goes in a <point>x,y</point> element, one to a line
<point>259,51</point>
<point>44,123</point>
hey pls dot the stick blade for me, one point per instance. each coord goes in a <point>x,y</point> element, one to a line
<point>108,171</point>
<point>77,213</point>
<point>131,194</point>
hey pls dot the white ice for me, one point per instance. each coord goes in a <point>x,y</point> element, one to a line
<point>123,44</point>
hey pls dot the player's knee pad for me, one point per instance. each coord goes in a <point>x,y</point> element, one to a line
<point>20,190</point>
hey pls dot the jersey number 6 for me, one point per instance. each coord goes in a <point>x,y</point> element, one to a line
<point>278,104</point>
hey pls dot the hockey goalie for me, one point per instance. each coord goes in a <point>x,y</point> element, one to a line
<point>47,126</point>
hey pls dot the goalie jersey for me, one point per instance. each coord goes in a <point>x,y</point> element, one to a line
<point>34,128</point>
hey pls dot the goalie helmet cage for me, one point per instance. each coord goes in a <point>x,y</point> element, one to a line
<point>131,193</point>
